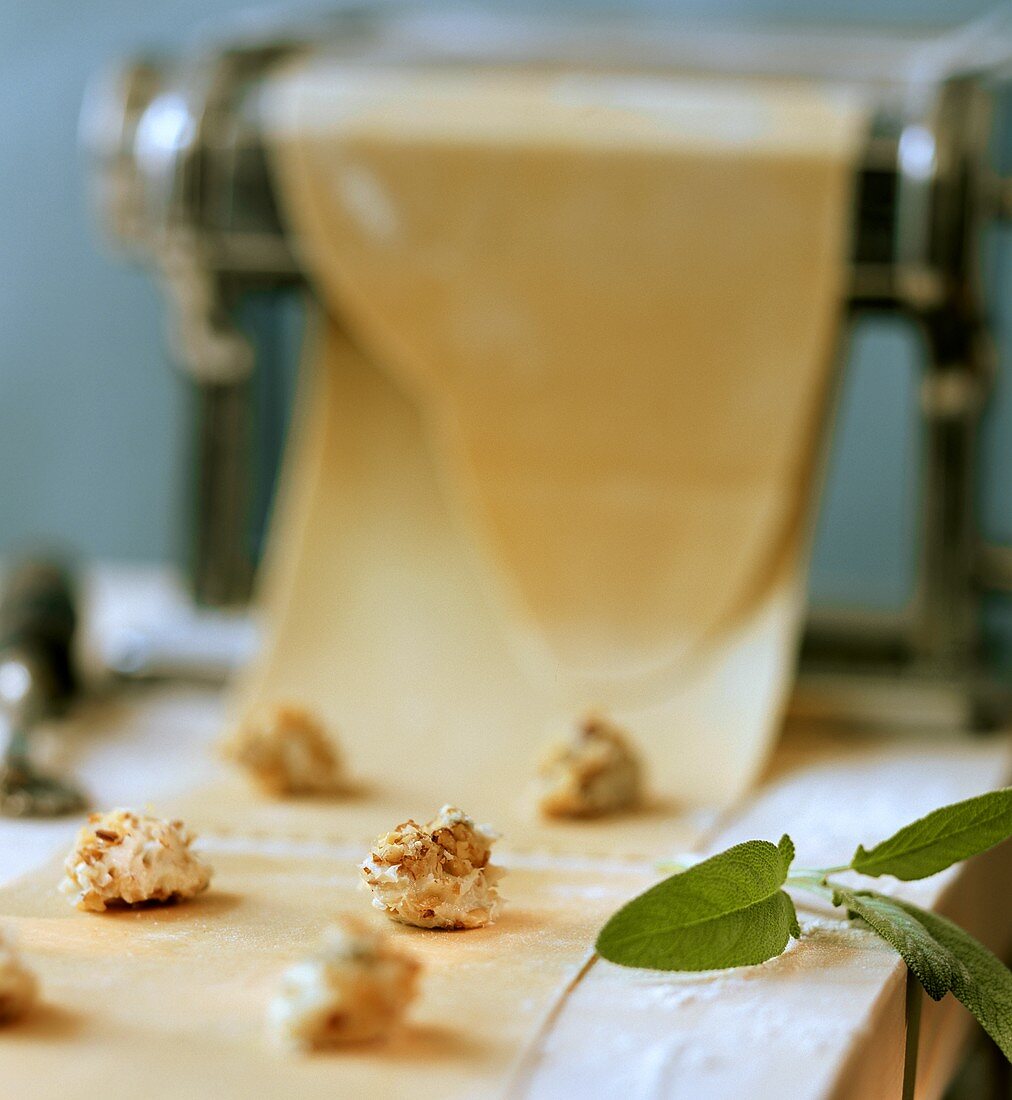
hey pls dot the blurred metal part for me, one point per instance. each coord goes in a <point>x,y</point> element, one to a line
<point>994,567</point>
<point>160,141</point>
<point>181,159</point>
<point>115,102</point>
<point>38,622</point>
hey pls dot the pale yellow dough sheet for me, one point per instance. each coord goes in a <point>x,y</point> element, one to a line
<point>161,1002</point>
<point>564,458</point>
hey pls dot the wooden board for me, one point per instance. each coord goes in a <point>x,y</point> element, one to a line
<point>827,1019</point>
<point>170,1002</point>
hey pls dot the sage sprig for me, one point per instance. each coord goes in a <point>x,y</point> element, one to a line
<point>732,909</point>
<point>943,837</point>
<point>726,911</point>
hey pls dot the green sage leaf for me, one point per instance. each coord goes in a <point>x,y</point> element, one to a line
<point>980,979</point>
<point>940,839</point>
<point>930,962</point>
<point>727,911</point>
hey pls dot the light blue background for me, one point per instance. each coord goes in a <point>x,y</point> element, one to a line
<point>92,418</point>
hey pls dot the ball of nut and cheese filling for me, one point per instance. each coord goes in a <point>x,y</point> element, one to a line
<point>435,875</point>
<point>19,989</point>
<point>595,772</point>
<point>124,858</point>
<point>284,750</point>
<point>354,988</point>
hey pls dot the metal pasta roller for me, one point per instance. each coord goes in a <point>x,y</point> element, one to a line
<point>183,180</point>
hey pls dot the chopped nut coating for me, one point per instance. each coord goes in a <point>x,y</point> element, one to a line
<point>123,857</point>
<point>436,875</point>
<point>19,989</point>
<point>595,773</point>
<point>285,751</point>
<point>355,987</point>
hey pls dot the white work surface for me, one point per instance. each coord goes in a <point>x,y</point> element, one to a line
<point>825,1020</point>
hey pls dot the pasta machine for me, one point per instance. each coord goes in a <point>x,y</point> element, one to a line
<point>183,181</point>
